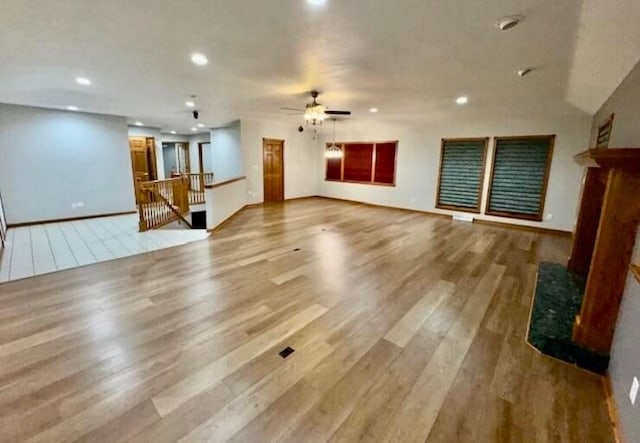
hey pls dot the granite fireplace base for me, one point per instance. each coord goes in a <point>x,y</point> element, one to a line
<point>557,301</point>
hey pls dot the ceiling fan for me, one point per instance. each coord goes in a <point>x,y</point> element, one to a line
<point>315,113</point>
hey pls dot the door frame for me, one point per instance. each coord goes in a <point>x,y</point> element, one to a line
<point>201,156</point>
<point>265,140</point>
<point>150,156</point>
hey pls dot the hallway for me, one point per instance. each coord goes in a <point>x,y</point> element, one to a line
<point>50,247</point>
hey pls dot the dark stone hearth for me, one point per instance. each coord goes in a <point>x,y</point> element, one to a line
<point>557,301</point>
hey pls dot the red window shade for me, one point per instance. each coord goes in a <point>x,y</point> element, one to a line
<point>358,161</point>
<point>385,163</point>
<point>334,169</point>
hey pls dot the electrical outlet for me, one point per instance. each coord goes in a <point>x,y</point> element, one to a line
<point>633,393</point>
<point>549,216</point>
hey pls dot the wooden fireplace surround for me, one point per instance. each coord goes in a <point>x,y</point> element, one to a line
<point>604,239</point>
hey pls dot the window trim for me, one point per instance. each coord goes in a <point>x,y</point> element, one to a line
<point>478,207</point>
<point>545,185</point>
<point>373,163</point>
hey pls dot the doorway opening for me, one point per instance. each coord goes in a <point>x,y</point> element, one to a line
<point>175,156</point>
<point>143,160</point>
<point>205,157</point>
<point>273,167</point>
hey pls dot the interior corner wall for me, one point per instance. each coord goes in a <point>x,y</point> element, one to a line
<point>625,353</point>
<point>418,161</point>
<point>226,152</point>
<point>625,103</point>
<point>194,158</point>
<point>300,158</point>
<point>51,159</point>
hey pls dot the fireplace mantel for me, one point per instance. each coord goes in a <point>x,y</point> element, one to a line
<point>618,158</point>
<point>603,240</point>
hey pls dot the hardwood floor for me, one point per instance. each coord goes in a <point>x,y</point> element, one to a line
<point>406,327</point>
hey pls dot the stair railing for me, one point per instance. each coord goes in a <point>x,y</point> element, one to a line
<point>162,201</point>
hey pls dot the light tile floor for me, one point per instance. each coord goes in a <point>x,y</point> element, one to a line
<point>40,249</point>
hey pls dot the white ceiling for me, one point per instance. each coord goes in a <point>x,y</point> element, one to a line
<point>409,58</point>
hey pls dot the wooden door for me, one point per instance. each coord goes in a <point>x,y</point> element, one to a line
<point>139,160</point>
<point>143,160</point>
<point>151,158</point>
<point>273,163</point>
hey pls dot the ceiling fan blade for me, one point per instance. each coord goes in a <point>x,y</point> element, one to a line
<point>292,109</point>
<point>337,112</point>
<point>295,113</point>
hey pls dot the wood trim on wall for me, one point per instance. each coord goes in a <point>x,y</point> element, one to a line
<point>612,408</point>
<point>60,220</point>
<point>224,182</point>
<point>506,225</point>
<point>537,217</point>
<point>635,271</point>
<point>478,207</point>
<point>537,229</point>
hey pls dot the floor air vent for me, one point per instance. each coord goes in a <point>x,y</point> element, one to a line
<point>286,352</point>
<point>463,217</point>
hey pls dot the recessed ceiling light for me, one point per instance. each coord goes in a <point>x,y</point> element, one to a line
<point>72,108</point>
<point>173,132</point>
<point>317,2</point>
<point>84,81</point>
<point>200,125</point>
<point>199,59</point>
<point>139,123</point>
<point>190,104</point>
<point>523,72</point>
<point>506,23</point>
<point>194,129</point>
<point>462,100</point>
<point>373,110</point>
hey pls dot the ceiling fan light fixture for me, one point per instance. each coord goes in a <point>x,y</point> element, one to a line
<point>314,114</point>
<point>333,152</point>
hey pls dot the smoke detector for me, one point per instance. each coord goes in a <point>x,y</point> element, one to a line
<point>507,23</point>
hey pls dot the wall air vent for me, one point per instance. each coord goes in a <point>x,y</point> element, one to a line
<point>507,23</point>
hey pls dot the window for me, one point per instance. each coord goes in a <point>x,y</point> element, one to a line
<point>604,133</point>
<point>519,176</point>
<point>364,162</point>
<point>462,165</point>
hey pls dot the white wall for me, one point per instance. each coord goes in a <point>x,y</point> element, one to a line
<point>419,158</point>
<point>625,353</point>
<point>50,159</point>
<point>301,158</point>
<point>194,140</point>
<point>223,201</point>
<point>625,103</point>
<point>225,152</point>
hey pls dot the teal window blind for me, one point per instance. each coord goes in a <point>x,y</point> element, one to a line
<point>519,177</point>
<point>461,174</point>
